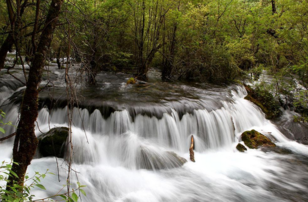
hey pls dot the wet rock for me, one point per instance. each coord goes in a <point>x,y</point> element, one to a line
<point>278,150</point>
<point>254,139</point>
<point>141,82</point>
<point>153,160</point>
<point>241,147</point>
<point>53,142</point>
<point>181,159</point>
<point>297,131</point>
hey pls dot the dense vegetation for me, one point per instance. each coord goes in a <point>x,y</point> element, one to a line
<point>200,39</point>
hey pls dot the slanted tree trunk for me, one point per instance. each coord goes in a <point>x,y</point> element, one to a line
<point>25,141</point>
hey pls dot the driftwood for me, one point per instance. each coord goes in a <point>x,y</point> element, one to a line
<point>191,149</point>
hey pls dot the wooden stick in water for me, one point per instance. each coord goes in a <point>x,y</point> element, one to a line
<point>191,149</point>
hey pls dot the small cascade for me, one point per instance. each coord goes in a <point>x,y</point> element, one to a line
<point>130,155</point>
<point>93,134</point>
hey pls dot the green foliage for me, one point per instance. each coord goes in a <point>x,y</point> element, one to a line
<point>18,61</point>
<point>199,39</point>
<point>265,100</point>
<point>256,72</point>
<point>302,70</point>
<point>17,193</point>
<point>2,116</point>
<point>298,119</point>
<point>74,197</point>
<point>301,105</point>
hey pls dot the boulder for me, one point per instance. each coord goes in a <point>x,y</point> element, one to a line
<point>253,139</point>
<point>241,147</point>
<point>153,160</point>
<point>53,142</point>
<point>179,158</point>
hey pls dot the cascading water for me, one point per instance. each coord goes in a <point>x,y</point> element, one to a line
<point>135,157</point>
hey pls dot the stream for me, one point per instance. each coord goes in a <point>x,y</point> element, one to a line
<point>123,137</point>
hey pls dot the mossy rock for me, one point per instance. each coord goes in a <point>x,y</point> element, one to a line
<point>253,139</point>
<point>265,100</point>
<point>53,142</point>
<point>241,147</point>
<point>131,81</point>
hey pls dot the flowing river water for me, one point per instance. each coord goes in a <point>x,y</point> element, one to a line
<point>123,136</point>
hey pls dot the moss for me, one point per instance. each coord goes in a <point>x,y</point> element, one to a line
<point>131,81</point>
<point>256,102</point>
<point>53,142</point>
<point>241,147</point>
<point>254,139</point>
<point>265,100</point>
<point>300,119</point>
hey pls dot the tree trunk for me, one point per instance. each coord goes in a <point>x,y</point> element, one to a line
<point>142,72</point>
<point>6,46</point>
<point>58,57</point>
<point>25,141</point>
<point>15,19</point>
<point>273,7</point>
<point>168,62</point>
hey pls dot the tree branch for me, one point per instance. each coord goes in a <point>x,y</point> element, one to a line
<point>7,137</point>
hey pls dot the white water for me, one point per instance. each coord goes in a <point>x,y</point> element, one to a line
<point>109,161</point>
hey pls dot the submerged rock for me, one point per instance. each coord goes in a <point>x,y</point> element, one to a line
<point>241,147</point>
<point>278,150</point>
<point>153,160</point>
<point>53,142</point>
<point>253,139</point>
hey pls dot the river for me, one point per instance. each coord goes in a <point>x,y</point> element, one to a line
<point>123,136</point>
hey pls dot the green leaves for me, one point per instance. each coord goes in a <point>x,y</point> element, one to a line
<point>16,192</point>
<point>23,193</point>
<point>40,186</point>
<point>83,192</point>
<point>75,197</point>
<point>2,115</point>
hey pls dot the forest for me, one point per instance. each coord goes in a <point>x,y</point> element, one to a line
<point>208,54</point>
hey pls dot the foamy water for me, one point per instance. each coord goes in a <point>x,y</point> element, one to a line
<point>108,156</point>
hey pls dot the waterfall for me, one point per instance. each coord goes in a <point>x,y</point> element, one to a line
<point>135,157</point>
